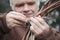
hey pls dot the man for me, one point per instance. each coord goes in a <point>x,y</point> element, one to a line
<point>24,11</point>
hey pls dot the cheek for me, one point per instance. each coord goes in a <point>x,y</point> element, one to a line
<point>34,8</point>
<point>18,9</point>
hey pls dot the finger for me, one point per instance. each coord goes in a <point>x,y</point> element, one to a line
<point>20,18</point>
<point>32,29</point>
<point>41,20</point>
<point>36,22</point>
<point>35,31</point>
<point>11,25</point>
<point>11,22</point>
<point>39,16</point>
<point>43,23</point>
<point>35,27</point>
<point>17,13</point>
<point>15,21</point>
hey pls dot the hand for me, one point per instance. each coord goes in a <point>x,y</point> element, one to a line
<point>39,26</point>
<point>14,19</point>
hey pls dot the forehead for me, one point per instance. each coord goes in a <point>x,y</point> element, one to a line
<point>23,1</point>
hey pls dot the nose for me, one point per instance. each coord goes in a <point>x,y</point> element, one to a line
<point>26,8</point>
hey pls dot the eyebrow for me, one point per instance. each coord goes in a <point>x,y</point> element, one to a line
<point>19,4</point>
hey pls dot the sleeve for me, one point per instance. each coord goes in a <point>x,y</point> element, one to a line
<point>3,26</point>
<point>53,35</point>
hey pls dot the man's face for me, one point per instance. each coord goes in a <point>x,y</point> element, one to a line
<point>26,7</point>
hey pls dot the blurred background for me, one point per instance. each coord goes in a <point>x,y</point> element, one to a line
<point>54,17</point>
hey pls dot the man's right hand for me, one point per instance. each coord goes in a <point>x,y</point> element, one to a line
<point>14,19</point>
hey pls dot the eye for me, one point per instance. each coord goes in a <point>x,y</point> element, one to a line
<point>31,3</point>
<point>19,5</point>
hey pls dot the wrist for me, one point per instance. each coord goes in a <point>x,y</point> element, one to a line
<point>45,35</point>
<point>4,28</point>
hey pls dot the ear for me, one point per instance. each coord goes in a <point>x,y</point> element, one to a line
<point>12,7</point>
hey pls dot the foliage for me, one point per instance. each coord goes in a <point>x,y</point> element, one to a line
<point>4,6</point>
